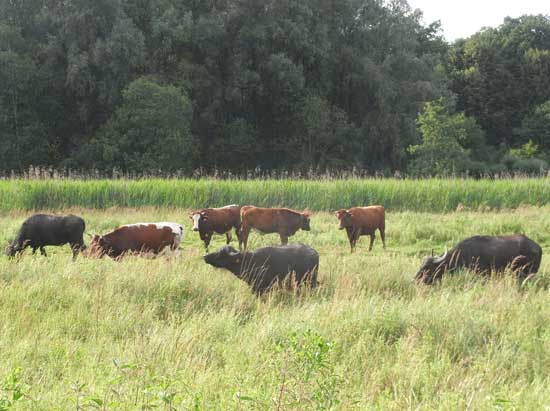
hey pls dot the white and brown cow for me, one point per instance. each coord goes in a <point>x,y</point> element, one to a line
<point>208,221</point>
<point>141,238</point>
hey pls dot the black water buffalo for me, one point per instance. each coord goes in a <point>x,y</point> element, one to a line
<point>483,254</point>
<point>41,230</point>
<point>264,267</point>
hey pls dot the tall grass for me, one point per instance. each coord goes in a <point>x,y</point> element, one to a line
<point>436,195</point>
<point>180,335</point>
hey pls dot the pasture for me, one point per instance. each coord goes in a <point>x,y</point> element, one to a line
<point>176,334</point>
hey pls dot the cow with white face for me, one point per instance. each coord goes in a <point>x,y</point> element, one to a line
<point>208,221</point>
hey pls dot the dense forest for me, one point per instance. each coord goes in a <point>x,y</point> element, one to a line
<point>139,85</point>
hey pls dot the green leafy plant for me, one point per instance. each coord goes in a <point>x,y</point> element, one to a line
<point>13,390</point>
<point>305,365</point>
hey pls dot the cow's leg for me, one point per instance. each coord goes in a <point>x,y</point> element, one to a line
<point>81,244</point>
<point>43,251</point>
<point>351,238</point>
<point>284,238</point>
<point>383,237</point>
<point>238,234</point>
<point>228,237</point>
<point>371,240</point>
<point>75,248</point>
<point>207,239</point>
<point>356,236</point>
<point>245,231</point>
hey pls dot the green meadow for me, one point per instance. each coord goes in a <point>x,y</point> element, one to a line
<point>176,334</point>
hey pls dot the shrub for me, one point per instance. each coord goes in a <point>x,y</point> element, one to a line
<point>530,166</point>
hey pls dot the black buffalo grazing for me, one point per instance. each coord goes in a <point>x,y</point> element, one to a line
<point>266,266</point>
<point>482,254</point>
<point>41,230</point>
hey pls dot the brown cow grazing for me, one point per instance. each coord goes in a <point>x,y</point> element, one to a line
<point>360,221</point>
<point>137,238</point>
<point>272,220</point>
<point>208,221</point>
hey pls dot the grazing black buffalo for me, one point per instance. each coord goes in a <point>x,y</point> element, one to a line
<point>264,267</point>
<point>483,254</point>
<point>41,230</point>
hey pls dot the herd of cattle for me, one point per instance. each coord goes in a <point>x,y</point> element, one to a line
<point>266,266</point>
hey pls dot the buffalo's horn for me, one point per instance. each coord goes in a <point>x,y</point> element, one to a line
<point>437,260</point>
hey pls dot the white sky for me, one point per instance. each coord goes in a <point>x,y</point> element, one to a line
<point>462,18</point>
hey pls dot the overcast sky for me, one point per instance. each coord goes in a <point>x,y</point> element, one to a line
<point>462,18</point>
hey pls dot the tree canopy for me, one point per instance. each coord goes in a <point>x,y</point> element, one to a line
<point>237,84</point>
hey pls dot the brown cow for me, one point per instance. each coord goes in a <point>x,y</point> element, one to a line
<point>360,221</point>
<point>272,220</point>
<point>208,221</point>
<point>137,238</point>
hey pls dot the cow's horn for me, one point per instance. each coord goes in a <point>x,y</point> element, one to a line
<point>437,260</point>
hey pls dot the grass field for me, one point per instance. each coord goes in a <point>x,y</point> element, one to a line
<point>176,334</point>
<point>436,195</point>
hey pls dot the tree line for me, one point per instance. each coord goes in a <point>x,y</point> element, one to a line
<point>168,85</point>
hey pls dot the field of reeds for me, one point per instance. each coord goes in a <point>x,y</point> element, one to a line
<point>434,195</point>
<point>176,334</point>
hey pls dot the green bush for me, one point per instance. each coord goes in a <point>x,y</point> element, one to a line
<point>530,166</point>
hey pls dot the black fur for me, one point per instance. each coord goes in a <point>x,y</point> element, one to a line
<point>41,230</point>
<point>264,267</point>
<point>483,254</point>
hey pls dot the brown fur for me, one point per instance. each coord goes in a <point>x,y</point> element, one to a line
<point>283,221</point>
<point>219,221</point>
<point>136,239</point>
<point>358,221</point>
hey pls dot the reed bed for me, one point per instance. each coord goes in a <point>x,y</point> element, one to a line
<point>430,195</point>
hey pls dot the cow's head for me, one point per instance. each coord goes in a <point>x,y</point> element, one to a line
<point>432,268</point>
<point>97,247</point>
<point>225,257</point>
<point>344,217</point>
<point>11,249</point>
<point>15,247</point>
<point>198,217</point>
<point>305,221</point>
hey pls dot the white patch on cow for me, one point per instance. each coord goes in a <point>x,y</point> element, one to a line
<point>176,229</point>
<point>196,218</point>
<point>231,205</point>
